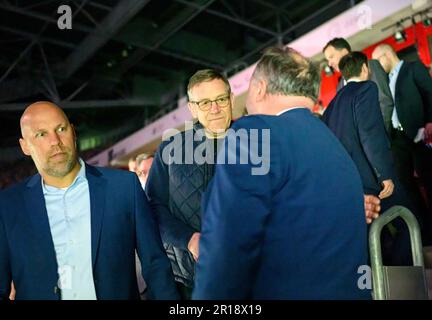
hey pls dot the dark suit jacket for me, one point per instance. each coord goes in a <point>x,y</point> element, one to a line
<point>380,78</point>
<point>354,117</point>
<point>297,232</point>
<point>413,97</point>
<point>121,221</point>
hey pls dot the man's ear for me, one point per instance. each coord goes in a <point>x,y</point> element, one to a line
<point>232,101</point>
<point>365,69</point>
<point>261,89</point>
<point>192,109</point>
<point>24,147</point>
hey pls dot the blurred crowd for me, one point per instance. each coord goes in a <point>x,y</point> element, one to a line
<point>16,172</point>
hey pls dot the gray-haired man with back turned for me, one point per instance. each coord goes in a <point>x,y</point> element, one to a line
<point>298,231</point>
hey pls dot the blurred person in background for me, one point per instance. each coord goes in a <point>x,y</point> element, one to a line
<point>410,123</point>
<point>354,116</point>
<point>336,49</point>
<point>132,164</point>
<point>143,164</point>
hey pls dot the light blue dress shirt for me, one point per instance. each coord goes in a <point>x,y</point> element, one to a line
<point>70,222</point>
<point>393,75</point>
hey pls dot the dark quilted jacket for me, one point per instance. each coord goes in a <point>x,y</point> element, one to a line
<point>174,191</point>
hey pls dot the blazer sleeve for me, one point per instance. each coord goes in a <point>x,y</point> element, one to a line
<point>423,81</point>
<point>380,77</point>
<point>372,134</point>
<point>5,269</point>
<point>173,231</point>
<point>237,205</point>
<point>155,266</point>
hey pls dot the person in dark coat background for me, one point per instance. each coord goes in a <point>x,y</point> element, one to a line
<point>336,49</point>
<point>354,117</point>
<point>410,128</point>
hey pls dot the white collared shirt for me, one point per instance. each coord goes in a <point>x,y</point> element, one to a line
<point>393,75</point>
<point>69,218</point>
<point>289,109</point>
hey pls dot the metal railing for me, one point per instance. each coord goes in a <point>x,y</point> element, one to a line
<point>397,282</point>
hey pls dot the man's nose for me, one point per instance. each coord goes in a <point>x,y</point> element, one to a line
<point>214,108</point>
<point>55,139</point>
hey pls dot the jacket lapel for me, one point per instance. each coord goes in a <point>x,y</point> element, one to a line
<point>36,208</point>
<point>97,187</point>
<point>400,78</point>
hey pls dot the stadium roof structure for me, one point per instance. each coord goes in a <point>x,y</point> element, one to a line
<point>125,63</point>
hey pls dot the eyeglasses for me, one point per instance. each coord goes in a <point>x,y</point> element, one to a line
<point>206,104</point>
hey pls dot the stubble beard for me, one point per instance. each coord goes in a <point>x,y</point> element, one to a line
<point>62,168</point>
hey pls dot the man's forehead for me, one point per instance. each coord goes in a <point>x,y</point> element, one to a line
<point>41,125</point>
<point>49,119</point>
<point>209,89</point>
<point>39,122</point>
<point>378,51</point>
<point>329,50</point>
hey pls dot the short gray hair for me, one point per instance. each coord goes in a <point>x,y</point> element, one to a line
<point>205,75</point>
<point>143,156</point>
<point>287,72</point>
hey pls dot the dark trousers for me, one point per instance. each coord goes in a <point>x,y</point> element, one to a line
<point>409,157</point>
<point>184,291</point>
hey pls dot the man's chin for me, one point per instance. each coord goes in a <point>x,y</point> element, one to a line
<point>58,173</point>
<point>60,168</point>
<point>219,127</point>
<point>217,131</point>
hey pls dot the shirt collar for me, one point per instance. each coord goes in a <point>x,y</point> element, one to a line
<point>396,68</point>
<point>354,80</point>
<point>289,109</point>
<point>81,176</point>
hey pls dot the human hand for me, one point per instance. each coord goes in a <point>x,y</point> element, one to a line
<point>372,207</point>
<point>13,292</point>
<point>428,133</point>
<point>387,190</point>
<point>193,245</point>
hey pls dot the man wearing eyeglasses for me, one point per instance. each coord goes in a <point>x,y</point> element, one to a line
<point>174,187</point>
